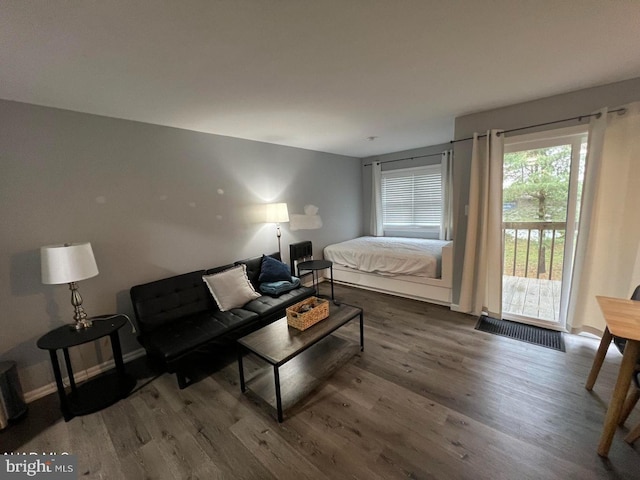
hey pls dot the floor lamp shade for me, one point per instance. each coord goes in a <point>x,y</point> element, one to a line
<point>276,213</point>
<point>70,262</point>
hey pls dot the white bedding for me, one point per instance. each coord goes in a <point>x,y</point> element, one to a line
<point>389,255</point>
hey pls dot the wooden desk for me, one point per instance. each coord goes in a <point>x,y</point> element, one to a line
<point>623,320</point>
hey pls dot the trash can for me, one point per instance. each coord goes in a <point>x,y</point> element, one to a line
<point>12,405</point>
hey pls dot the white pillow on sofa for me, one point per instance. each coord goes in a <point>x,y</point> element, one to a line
<point>231,288</point>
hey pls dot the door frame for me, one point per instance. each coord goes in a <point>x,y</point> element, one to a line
<point>576,136</point>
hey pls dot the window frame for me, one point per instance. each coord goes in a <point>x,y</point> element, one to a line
<point>414,229</point>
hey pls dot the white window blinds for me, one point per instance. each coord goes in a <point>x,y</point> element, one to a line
<point>412,198</point>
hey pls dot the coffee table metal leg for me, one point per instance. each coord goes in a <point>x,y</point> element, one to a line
<point>276,377</point>
<point>243,387</point>
<point>361,330</point>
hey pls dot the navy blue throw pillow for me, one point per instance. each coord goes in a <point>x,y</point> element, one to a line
<point>273,270</point>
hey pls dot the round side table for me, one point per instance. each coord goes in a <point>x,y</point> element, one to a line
<point>314,266</point>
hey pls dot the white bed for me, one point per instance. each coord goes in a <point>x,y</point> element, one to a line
<point>408,267</point>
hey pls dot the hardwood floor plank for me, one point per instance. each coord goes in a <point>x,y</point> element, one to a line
<point>263,441</point>
<point>99,455</point>
<point>127,431</point>
<point>183,455</point>
<point>430,397</point>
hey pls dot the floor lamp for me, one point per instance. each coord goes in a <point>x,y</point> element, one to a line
<point>277,213</point>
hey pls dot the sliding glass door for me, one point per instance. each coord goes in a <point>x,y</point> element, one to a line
<point>542,184</point>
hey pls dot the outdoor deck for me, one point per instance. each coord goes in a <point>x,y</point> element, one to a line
<point>531,297</point>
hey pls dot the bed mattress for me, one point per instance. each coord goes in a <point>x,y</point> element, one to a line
<point>390,256</point>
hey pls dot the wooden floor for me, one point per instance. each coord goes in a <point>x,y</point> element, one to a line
<point>531,297</point>
<point>429,398</point>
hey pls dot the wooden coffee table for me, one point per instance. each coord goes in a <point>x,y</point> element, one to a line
<point>310,356</point>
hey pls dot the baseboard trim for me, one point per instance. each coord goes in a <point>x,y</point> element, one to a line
<point>81,376</point>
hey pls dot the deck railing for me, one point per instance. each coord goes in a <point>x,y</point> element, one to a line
<point>526,245</point>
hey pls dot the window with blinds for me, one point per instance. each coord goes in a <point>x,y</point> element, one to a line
<point>412,198</point>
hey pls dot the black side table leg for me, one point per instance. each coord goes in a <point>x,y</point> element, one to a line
<point>64,407</point>
<point>333,298</point>
<point>126,383</point>
<point>117,353</point>
<point>67,361</point>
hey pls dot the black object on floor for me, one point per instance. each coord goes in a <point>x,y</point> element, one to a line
<point>525,333</point>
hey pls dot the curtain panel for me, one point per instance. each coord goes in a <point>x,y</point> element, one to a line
<point>481,288</point>
<point>446,224</point>
<point>607,258</point>
<point>376,228</point>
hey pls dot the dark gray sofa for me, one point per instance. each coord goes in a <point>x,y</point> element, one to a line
<point>177,316</point>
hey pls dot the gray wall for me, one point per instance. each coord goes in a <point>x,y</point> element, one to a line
<point>539,111</point>
<point>147,199</point>
<point>394,165</point>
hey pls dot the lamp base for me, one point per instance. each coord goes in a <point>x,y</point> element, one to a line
<point>80,315</point>
<point>279,234</point>
<point>81,324</point>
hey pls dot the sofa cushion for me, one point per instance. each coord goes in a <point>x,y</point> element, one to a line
<point>231,288</point>
<point>188,333</point>
<point>168,300</point>
<point>266,305</point>
<point>211,271</point>
<point>175,339</point>
<point>235,318</point>
<point>272,270</point>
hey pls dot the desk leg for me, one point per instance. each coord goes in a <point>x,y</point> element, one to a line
<point>276,377</point>
<point>61,393</point>
<point>627,368</point>
<point>599,359</point>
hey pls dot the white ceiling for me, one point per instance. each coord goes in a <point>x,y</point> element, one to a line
<point>316,74</point>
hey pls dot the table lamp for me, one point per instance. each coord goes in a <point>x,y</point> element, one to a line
<point>69,263</point>
<point>277,213</point>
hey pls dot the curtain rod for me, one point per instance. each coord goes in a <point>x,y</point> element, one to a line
<point>621,111</point>
<point>407,158</point>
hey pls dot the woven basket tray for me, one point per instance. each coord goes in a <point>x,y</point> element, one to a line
<point>302,320</point>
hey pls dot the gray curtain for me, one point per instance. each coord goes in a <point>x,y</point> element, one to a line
<point>377,229</point>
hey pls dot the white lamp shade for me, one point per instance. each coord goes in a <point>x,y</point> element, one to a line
<point>67,263</point>
<point>276,213</point>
